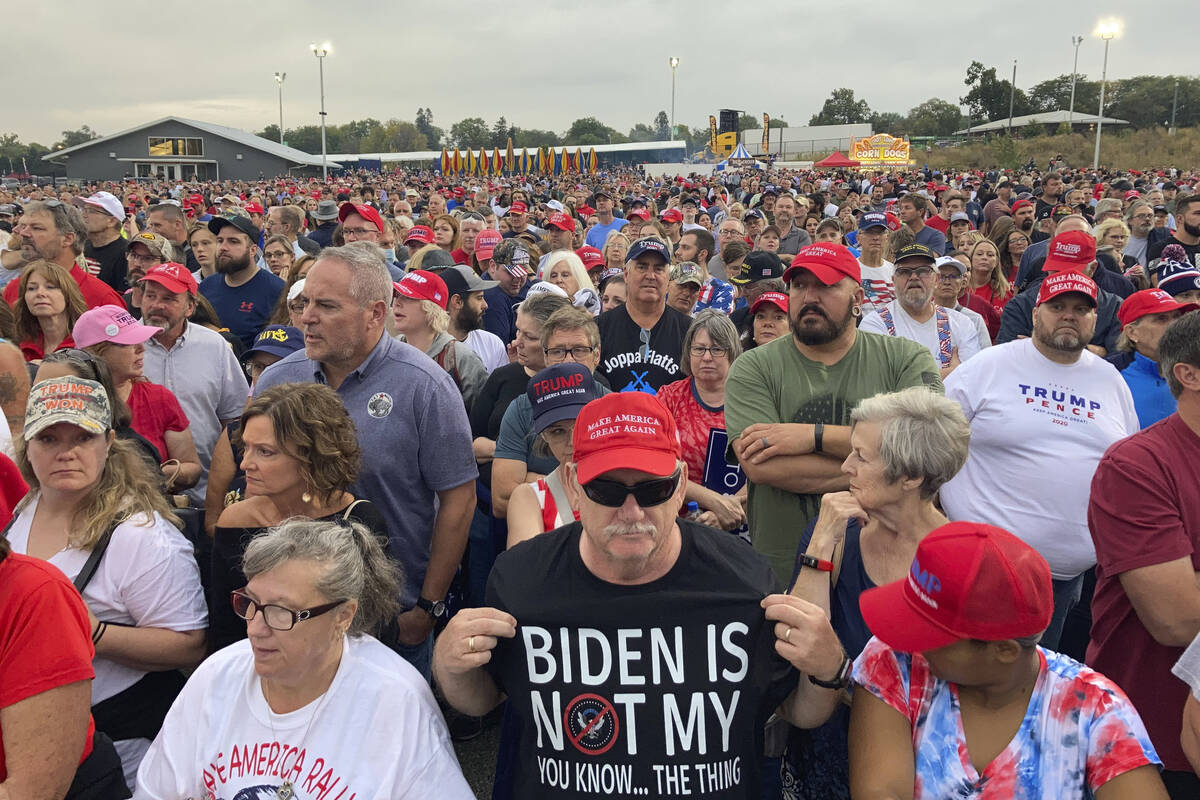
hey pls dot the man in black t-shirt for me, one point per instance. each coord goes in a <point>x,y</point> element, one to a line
<point>640,653</point>
<point>105,249</point>
<point>1187,235</point>
<point>640,341</point>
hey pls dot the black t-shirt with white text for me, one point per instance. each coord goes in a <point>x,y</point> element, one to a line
<point>628,362</point>
<point>654,690</point>
<point>110,262</point>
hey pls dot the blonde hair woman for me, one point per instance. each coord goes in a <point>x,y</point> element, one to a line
<point>986,277</point>
<point>565,270</point>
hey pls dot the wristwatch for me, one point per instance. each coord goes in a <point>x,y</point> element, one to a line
<point>841,680</point>
<point>434,608</point>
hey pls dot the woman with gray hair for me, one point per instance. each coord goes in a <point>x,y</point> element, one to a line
<point>698,404</point>
<point>904,447</point>
<point>310,704</point>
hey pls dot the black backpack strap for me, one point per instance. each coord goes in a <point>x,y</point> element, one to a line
<point>93,560</point>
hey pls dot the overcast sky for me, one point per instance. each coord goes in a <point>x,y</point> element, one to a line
<point>540,64</point>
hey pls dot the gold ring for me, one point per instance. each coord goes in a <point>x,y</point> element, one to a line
<point>470,644</point>
<point>787,635</point>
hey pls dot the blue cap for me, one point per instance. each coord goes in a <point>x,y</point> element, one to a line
<point>276,340</point>
<point>872,219</point>
<point>1176,277</point>
<point>559,392</point>
<point>649,245</point>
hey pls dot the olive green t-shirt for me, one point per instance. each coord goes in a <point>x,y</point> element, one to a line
<point>775,383</point>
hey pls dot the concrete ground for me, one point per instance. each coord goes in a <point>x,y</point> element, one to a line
<point>478,758</point>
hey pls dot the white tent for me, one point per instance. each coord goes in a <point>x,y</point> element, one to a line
<point>740,157</point>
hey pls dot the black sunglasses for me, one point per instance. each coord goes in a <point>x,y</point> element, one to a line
<point>645,493</point>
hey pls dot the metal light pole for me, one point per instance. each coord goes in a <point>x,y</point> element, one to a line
<point>1174,106</point>
<point>320,53</point>
<point>1012,95</point>
<point>280,77</point>
<point>674,62</point>
<point>1106,30</point>
<point>1075,40</point>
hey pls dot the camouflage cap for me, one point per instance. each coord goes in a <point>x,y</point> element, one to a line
<point>156,243</point>
<point>77,401</point>
<point>514,256</point>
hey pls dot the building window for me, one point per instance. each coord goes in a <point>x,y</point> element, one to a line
<point>183,146</point>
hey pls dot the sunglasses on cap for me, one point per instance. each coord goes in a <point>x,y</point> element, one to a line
<point>646,494</point>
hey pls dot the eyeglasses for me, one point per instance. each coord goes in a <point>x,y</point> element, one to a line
<point>278,618</point>
<point>354,232</point>
<point>906,272</point>
<point>577,353</point>
<point>271,255</point>
<point>716,352</point>
<point>646,494</point>
<point>148,258</point>
<point>948,277</point>
<point>644,337</point>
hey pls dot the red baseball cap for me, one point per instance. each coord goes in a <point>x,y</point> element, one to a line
<point>967,581</point>
<point>518,208</point>
<point>561,221</point>
<point>424,235</point>
<point>829,262</point>
<point>423,285</point>
<point>194,200</point>
<point>625,430</point>
<point>459,191</point>
<point>1017,206</point>
<point>485,243</point>
<point>1139,304</point>
<point>777,299</point>
<point>366,212</point>
<point>671,215</point>
<point>1064,283</point>
<point>1132,193</point>
<point>590,256</point>
<point>1070,251</point>
<point>254,208</point>
<point>174,276</point>
<point>640,213</point>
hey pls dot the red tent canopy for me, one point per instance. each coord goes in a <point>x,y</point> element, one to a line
<point>836,160</point>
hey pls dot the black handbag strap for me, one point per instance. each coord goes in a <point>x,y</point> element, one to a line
<point>93,560</point>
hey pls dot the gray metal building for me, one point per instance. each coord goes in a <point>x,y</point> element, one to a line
<point>176,148</point>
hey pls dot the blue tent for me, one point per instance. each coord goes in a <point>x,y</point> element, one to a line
<point>740,157</point>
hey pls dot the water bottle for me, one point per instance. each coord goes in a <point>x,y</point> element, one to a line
<point>692,511</point>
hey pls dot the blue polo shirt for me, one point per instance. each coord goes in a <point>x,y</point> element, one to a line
<point>501,315</point>
<point>1152,398</point>
<point>415,439</point>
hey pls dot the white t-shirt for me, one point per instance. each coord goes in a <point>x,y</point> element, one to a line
<point>985,338</point>
<point>1038,430</point>
<point>1187,668</point>
<point>878,288</point>
<point>147,578</point>
<point>963,333</point>
<point>487,345</point>
<point>377,734</point>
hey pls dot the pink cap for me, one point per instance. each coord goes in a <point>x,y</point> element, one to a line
<point>110,324</point>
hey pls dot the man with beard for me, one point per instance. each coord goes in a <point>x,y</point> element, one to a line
<point>55,231</point>
<point>1024,217</point>
<point>466,307</point>
<point>1187,235</point>
<point>1052,192</point>
<point>105,249</point>
<point>791,237</point>
<point>1035,406</point>
<point>242,294</point>
<point>194,362</point>
<point>788,402</point>
<point>949,336</point>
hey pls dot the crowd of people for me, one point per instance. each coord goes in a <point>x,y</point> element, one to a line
<point>768,484</point>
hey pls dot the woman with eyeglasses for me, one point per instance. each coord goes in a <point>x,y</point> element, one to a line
<point>96,511</point>
<point>300,455</point>
<point>557,395</point>
<point>697,402</point>
<point>48,303</point>
<point>110,333</point>
<point>312,704</point>
<point>616,247</point>
<point>279,255</point>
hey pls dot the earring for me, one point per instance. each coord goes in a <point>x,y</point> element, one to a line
<point>306,497</point>
<point>856,311</point>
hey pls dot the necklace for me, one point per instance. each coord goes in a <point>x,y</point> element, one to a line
<point>286,790</point>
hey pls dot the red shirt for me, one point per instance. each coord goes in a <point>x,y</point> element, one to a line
<point>460,257</point>
<point>45,638</point>
<point>694,423</point>
<point>155,411</point>
<point>991,317</point>
<point>940,225</point>
<point>95,292</point>
<point>36,348</point>
<point>997,303</point>
<point>1144,510</point>
<point>12,488</point>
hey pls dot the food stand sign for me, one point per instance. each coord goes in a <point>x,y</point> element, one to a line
<point>881,150</point>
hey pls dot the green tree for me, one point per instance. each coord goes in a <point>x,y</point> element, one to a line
<point>1055,94</point>
<point>532,137</point>
<point>889,122</point>
<point>588,131</point>
<point>72,138</point>
<point>471,132</point>
<point>662,127</point>
<point>306,138</point>
<point>988,96</point>
<point>500,133</point>
<point>776,122</point>
<point>1145,100</point>
<point>749,122</point>
<point>1032,131</point>
<point>841,108</point>
<point>1004,152</point>
<point>394,136</point>
<point>934,117</point>
<point>642,133</point>
<point>271,132</point>
<point>433,135</point>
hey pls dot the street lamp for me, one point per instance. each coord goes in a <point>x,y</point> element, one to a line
<point>674,62</point>
<point>1075,40</point>
<point>320,52</point>
<point>280,77</point>
<point>1012,95</point>
<point>1106,29</point>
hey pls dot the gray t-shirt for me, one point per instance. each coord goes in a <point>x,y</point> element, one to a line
<point>414,436</point>
<point>516,435</point>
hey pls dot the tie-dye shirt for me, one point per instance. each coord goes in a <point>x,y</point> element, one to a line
<point>1080,730</point>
